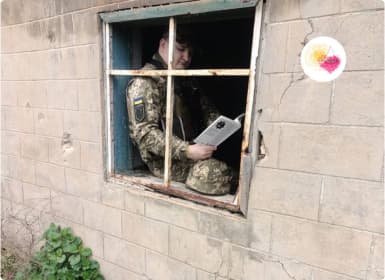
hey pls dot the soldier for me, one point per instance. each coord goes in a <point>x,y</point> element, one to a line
<point>192,164</point>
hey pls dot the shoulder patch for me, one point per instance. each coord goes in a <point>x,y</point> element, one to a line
<point>139,109</point>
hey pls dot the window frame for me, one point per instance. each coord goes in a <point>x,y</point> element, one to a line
<point>240,200</point>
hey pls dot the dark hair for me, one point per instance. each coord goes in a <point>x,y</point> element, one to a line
<point>183,36</point>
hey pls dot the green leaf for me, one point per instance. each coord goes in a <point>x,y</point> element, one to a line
<point>86,252</point>
<point>70,248</point>
<point>74,260</point>
<point>19,275</point>
<point>55,244</point>
<point>61,259</point>
<point>53,235</point>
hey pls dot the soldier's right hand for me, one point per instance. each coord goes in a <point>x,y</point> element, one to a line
<point>199,151</point>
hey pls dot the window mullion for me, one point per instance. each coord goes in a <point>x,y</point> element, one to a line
<point>245,162</point>
<point>170,104</point>
<point>107,61</point>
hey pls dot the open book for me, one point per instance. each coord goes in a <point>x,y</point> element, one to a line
<point>221,129</point>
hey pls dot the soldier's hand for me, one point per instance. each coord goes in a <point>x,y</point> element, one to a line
<point>199,151</point>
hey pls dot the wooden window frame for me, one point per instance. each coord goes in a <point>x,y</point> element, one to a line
<point>240,200</point>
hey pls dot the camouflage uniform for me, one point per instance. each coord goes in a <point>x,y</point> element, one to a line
<point>146,106</point>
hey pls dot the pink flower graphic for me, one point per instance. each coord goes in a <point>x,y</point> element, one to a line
<point>331,63</point>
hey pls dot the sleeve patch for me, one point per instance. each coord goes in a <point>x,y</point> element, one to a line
<point>139,109</point>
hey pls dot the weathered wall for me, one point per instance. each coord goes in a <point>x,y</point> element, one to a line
<point>316,202</point>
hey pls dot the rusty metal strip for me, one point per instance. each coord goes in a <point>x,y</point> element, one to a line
<point>159,187</point>
<point>195,72</point>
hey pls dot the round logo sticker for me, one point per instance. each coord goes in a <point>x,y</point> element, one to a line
<point>323,59</point>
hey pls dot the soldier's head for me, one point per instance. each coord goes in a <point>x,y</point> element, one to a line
<point>182,49</point>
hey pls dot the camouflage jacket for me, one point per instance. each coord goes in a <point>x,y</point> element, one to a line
<point>146,106</point>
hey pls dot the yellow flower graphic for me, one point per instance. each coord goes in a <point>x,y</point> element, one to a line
<point>316,55</point>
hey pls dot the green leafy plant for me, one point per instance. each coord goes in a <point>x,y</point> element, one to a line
<point>62,257</point>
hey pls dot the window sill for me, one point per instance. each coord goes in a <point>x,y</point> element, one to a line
<point>176,189</point>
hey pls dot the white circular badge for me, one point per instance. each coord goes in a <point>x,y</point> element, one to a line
<point>323,59</point>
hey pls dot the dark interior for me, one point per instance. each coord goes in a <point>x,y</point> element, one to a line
<point>223,40</point>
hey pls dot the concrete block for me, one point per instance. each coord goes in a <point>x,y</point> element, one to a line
<point>67,207</point>
<point>62,94</point>
<point>245,264</point>
<point>318,8</point>
<point>80,62</point>
<point>189,247</point>
<point>353,203</point>
<point>281,11</point>
<point>36,35</point>
<point>34,147</point>
<point>87,27</point>
<point>258,230</point>
<point>103,218</point>
<point>18,119</point>
<point>46,61</point>
<point>25,169</point>
<point>113,196</point>
<point>360,5</point>
<point>52,32</point>
<point>10,143</point>
<point>31,94</point>
<point>162,267</point>
<point>67,32</point>
<point>294,98</point>
<point>134,203</point>
<point>72,5</point>
<point>64,151</point>
<point>89,95</point>
<point>172,213</point>
<point>14,166</point>
<point>91,238</point>
<point>11,189</point>
<point>11,67</point>
<point>273,57</point>
<point>286,192</point>
<point>112,271</point>
<point>365,51</point>
<point>299,31</point>
<point>84,184</point>
<point>358,99</point>
<point>328,150</point>
<point>37,197</point>
<point>255,232</point>
<point>333,248</point>
<point>91,157</point>
<point>287,269</point>
<point>32,10</point>
<point>376,266</point>
<point>203,275</point>
<point>51,176</point>
<point>48,122</point>
<point>9,92</point>
<point>84,126</point>
<point>223,228</point>
<point>145,232</point>
<point>124,254</point>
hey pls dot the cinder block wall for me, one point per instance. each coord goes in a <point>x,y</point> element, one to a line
<point>316,203</point>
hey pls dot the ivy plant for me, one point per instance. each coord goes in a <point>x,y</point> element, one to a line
<point>62,257</point>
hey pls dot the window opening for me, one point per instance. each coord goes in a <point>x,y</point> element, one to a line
<point>221,65</point>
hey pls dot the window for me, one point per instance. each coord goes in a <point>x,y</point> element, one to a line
<point>225,66</point>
